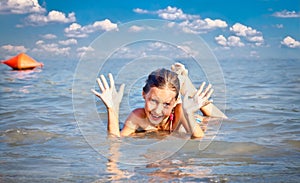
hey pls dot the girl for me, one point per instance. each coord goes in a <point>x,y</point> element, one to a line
<point>162,109</point>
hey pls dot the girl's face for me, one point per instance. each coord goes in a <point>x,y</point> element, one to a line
<point>159,104</point>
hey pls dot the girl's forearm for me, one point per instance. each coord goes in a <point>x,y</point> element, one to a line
<point>194,127</point>
<point>113,127</point>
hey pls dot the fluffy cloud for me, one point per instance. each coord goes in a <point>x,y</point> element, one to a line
<point>242,30</point>
<point>136,28</point>
<point>279,26</point>
<point>13,49</point>
<point>187,22</point>
<point>221,40</point>
<point>49,36</point>
<point>169,13</point>
<point>51,48</point>
<point>173,13</point>
<point>250,34</point>
<point>140,11</point>
<point>82,50</point>
<point>287,14</point>
<point>199,25</point>
<point>234,41</point>
<point>290,42</point>
<point>68,42</point>
<point>53,16</point>
<point>76,30</point>
<point>85,48</point>
<point>231,41</point>
<point>20,7</point>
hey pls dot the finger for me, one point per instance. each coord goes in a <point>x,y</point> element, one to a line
<point>209,93</point>
<point>100,84</point>
<point>111,80</point>
<point>95,92</point>
<point>121,91</point>
<point>207,89</point>
<point>173,67</point>
<point>177,64</point>
<point>200,89</point>
<point>104,82</point>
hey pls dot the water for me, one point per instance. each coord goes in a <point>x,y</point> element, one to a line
<point>260,142</point>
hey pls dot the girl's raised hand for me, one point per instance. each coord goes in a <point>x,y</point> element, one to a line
<point>108,94</point>
<point>200,99</point>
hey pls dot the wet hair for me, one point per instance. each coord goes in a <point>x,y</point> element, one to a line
<point>162,78</point>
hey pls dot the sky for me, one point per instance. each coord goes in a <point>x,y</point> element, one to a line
<point>233,29</point>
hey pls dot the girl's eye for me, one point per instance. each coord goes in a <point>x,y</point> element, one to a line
<point>153,101</point>
<point>167,105</point>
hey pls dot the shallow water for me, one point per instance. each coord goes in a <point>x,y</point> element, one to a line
<point>42,142</point>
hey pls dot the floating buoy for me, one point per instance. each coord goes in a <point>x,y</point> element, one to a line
<point>22,61</point>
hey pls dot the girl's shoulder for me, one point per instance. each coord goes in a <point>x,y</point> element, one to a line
<point>139,113</point>
<point>137,116</point>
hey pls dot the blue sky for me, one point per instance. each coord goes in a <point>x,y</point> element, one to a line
<point>64,29</point>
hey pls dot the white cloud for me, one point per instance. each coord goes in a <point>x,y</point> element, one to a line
<point>49,36</point>
<point>188,23</point>
<point>221,40</point>
<point>251,35</point>
<point>76,30</point>
<point>39,42</point>
<point>286,14</point>
<point>169,13</point>
<point>159,46</point>
<point>68,42</point>
<point>234,41</point>
<point>13,49</point>
<point>279,26</point>
<point>140,11</point>
<point>258,40</point>
<point>242,30</point>
<point>85,48</point>
<point>188,50</point>
<point>173,13</point>
<point>199,25</point>
<point>52,17</point>
<point>231,41</point>
<point>51,48</point>
<point>20,7</point>
<point>136,28</point>
<point>82,50</point>
<point>290,42</point>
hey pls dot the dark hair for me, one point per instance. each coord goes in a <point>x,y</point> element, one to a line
<point>162,78</point>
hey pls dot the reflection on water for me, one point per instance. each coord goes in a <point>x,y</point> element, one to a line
<point>40,140</point>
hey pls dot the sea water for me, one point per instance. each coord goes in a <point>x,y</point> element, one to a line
<point>41,141</point>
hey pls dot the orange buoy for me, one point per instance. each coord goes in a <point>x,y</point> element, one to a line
<point>22,61</point>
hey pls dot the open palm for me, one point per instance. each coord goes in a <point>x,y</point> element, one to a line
<point>200,99</point>
<point>109,95</point>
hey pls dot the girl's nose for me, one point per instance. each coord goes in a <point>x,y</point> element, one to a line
<point>158,109</point>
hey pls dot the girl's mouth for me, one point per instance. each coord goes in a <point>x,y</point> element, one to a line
<point>156,118</point>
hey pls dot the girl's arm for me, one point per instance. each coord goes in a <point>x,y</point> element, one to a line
<point>187,87</point>
<point>192,104</point>
<point>112,99</point>
<point>207,110</point>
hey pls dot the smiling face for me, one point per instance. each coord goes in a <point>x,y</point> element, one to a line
<point>159,103</point>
